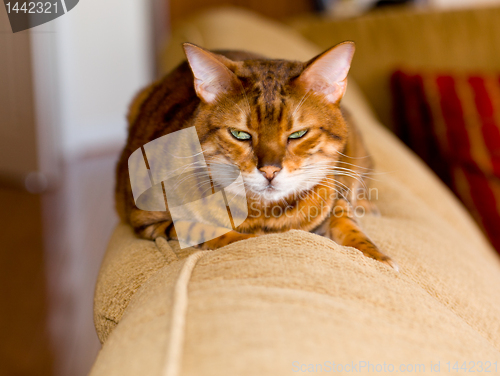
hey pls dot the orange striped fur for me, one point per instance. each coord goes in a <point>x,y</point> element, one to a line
<point>309,182</point>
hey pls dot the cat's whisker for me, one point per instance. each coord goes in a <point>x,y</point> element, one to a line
<point>246,98</point>
<point>202,193</point>
<point>227,177</point>
<point>336,170</point>
<point>335,181</point>
<point>340,172</point>
<point>190,176</point>
<point>347,156</point>
<point>356,166</point>
<point>206,190</point>
<point>334,187</point>
<point>237,194</point>
<point>194,165</point>
<point>304,98</point>
<point>189,156</point>
<point>219,171</point>
<point>355,177</point>
<point>346,174</point>
<point>316,193</point>
<point>337,191</point>
<point>241,110</point>
<point>174,172</point>
<point>360,179</point>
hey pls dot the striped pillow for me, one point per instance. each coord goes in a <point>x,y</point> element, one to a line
<point>453,123</point>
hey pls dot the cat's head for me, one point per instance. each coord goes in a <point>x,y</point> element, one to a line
<point>279,121</point>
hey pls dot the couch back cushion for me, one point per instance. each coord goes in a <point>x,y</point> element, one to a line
<point>463,39</point>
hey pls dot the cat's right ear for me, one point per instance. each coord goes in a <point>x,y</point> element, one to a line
<point>212,76</point>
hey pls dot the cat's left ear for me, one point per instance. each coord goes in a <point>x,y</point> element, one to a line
<point>327,73</point>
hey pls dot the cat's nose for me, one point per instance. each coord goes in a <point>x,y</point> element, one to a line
<point>269,172</point>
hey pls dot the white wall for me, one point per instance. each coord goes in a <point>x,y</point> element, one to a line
<point>87,66</point>
<point>103,57</point>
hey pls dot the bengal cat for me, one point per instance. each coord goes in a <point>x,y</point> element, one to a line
<point>280,122</point>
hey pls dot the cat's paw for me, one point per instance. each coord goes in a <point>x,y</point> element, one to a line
<point>226,239</point>
<point>391,263</point>
<point>371,250</point>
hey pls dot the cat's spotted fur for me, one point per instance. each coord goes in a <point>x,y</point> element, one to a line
<point>321,172</point>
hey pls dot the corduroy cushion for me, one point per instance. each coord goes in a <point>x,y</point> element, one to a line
<point>275,304</point>
<point>452,121</point>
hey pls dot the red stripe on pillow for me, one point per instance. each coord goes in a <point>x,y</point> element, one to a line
<point>454,120</point>
<point>453,115</point>
<point>490,130</point>
<point>415,121</point>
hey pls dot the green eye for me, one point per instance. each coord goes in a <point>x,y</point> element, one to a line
<point>298,134</point>
<point>240,135</point>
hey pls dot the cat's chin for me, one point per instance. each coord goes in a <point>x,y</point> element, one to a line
<point>285,186</point>
<point>269,195</point>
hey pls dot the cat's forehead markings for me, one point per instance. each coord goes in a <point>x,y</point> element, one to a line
<point>300,119</point>
<point>242,121</point>
<point>281,70</point>
<point>301,124</point>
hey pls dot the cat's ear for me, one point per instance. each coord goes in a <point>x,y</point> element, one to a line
<point>212,76</point>
<point>327,73</point>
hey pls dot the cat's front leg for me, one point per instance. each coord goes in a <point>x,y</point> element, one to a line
<point>150,224</point>
<point>226,239</point>
<point>196,233</point>
<point>345,230</point>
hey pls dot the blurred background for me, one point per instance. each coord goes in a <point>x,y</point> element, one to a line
<point>64,91</point>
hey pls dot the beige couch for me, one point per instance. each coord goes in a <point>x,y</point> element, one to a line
<point>281,304</point>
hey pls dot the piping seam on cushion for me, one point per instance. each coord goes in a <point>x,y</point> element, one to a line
<point>173,358</point>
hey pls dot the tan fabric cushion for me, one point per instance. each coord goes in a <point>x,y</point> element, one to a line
<point>256,307</point>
